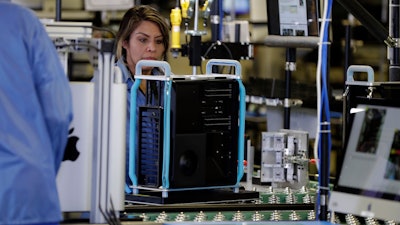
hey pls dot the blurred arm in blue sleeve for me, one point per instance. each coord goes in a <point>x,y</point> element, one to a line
<point>35,114</point>
<point>53,93</point>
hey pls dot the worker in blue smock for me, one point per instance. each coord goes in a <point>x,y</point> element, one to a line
<point>35,113</point>
<point>143,35</point>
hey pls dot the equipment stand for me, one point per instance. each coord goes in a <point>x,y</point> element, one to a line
<point>289,68</point>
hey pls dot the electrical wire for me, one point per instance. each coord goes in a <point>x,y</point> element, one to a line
<point>320,64</point>
<point>212,46</point>
<point>323,111</point>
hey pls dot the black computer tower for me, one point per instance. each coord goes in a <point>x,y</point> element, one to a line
<point>204,128</point>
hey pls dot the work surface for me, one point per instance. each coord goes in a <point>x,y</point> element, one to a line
<point>223,223</point>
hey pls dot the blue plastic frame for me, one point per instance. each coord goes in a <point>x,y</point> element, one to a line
<point>167,114</point>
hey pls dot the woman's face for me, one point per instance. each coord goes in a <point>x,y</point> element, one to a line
<point>145,42</point>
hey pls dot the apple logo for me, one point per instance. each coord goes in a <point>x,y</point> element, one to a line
<point>71,152</point>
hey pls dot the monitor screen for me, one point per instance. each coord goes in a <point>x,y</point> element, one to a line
<point>369,181</point>
<point>293,17</point>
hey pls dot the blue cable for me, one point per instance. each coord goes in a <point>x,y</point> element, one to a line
<point>325,110</point>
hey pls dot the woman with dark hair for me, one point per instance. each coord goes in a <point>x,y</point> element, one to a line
<point>143,35</point>
<point>140,26</point>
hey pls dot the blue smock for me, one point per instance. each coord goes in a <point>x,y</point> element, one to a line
<point>140,101</point>
<point>35,113</point>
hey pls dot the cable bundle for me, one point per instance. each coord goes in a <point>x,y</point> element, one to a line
<point>322,146</point>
